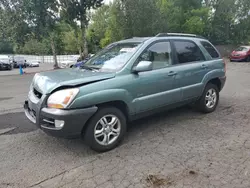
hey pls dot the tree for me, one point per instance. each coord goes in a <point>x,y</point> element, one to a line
<point>98,26</point>
<point>116,24</point>
<point>13,28</point>
<point>6,47</point>
<point>42,16</point>
<point>77,11</point>
<point>35,47</point>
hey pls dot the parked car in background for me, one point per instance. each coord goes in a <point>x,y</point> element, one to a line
<point>242,53</point>
<point>137,77</point>
<point>19,61</point>
<point>82,62</point>
<point>5,63</point>
<point>33,64</point>
<point>68,63</point>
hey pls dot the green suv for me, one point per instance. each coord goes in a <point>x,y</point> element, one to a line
<point>125,81</point>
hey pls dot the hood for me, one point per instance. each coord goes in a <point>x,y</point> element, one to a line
<point>46,82</point>
<point>238,53</point>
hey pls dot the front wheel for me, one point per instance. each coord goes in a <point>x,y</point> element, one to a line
<point>106,129</point>
<point>209,99</point>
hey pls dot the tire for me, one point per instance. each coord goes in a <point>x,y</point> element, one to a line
<point>203,102</point>
<point>248,59</point>
<point>97,142</point>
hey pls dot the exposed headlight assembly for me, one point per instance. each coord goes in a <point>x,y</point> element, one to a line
<point>62,98</point>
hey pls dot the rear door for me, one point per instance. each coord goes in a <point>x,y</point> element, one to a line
<point>192,67</point>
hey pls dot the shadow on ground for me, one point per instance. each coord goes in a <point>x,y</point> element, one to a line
<point>18,121</point>
<point>21,124</point>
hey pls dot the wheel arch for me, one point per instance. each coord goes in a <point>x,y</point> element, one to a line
<point>119,104</point>
<point>217,82</point>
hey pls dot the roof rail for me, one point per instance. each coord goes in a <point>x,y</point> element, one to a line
<point>177,34</point>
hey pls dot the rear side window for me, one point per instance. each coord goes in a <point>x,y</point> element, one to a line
<point>188,51</point>
<point>210,49</point>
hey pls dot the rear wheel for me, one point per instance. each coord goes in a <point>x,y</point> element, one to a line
<point>209,99</point>
<point>106,129</point>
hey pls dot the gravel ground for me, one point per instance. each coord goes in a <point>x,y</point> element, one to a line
<point>180,148</point>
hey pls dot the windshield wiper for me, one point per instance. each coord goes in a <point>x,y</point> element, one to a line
<point>89,68</point>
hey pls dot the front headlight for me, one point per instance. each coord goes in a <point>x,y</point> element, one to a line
<point>62,98</point>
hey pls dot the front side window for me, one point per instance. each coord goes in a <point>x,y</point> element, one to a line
<point>188,51</point>
<point>112,58</point>
<point>210,49</point>
<point>159,54</point>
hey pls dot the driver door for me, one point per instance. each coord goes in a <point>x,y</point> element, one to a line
<point>158,87</point>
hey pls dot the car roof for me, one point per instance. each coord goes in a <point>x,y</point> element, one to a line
<point>4,56</point>
<point>162,36</point>
<point>134,40</point>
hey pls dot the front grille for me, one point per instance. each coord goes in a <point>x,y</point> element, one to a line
<point>37,93</point>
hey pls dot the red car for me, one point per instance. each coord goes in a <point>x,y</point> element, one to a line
<point>241,54</point>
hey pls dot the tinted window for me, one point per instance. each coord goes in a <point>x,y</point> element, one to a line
<point>188,51</point>
<point>159,53</point>
<point>210,49</point>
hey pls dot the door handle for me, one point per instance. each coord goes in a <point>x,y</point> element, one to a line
<point>172,73</point>
<point>204,66</point>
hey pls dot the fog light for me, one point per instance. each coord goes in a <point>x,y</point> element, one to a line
<point>59,123</point>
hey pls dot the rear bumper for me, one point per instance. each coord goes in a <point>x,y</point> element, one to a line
<point>73,120</point>
<point>239,58</point>
<point>223,82</point>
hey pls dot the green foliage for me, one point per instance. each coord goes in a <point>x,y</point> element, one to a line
<point>74,26</point>
<point>75,10</point>
<point>6,47</point>
<point>221,21</point>
<point>70,42</point>
<point>33,46</point>
<point>100,22</point>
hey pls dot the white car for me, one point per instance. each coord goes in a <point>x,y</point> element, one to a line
<point>33,64</point>
<point>69,63</point>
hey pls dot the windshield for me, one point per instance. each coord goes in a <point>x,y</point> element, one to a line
<point>240,49</point>
<point>112,58</point>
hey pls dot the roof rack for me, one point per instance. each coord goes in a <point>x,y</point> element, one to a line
<point>177,34</point>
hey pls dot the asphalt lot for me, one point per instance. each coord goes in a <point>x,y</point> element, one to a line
<point>28,70</point>
<point>181,148</point>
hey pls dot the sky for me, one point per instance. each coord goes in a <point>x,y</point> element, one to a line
<point>107,1</point>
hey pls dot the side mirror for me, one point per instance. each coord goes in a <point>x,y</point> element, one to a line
<point>143,66</point>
